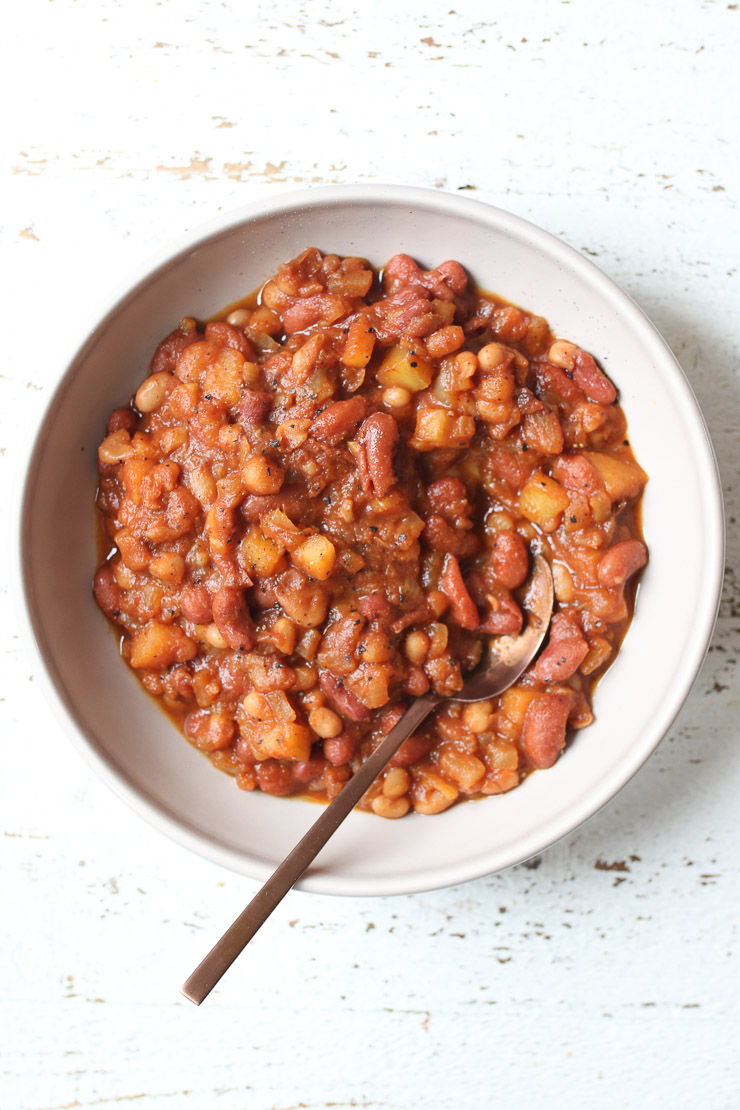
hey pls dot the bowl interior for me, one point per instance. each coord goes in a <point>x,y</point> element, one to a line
<point>135,747</point>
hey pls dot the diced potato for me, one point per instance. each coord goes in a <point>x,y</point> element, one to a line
<point>514,702</point>
<point>225,377</point>
<point>464,770</point>
<point>360,342</point>
<point>281,708</point>
<point>543,500</point>
<point>157,646</point>
<point>501,755</point>
<point>441,428</point>
<point>284,740</point>
<point>351,561</point>
<point>278,526</point>
<point>316,556</point>
<point>623,478</point>
<point>258,553</point>
<point>370,684</point>
<point>405,368</point>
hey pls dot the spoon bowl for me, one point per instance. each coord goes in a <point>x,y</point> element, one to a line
<point>508,658</point>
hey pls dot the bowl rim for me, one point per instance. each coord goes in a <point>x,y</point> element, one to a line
<point>557,827</point>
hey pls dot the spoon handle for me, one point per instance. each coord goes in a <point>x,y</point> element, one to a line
<point>237,936</point>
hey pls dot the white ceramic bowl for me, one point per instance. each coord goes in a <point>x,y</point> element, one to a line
<point>133,746</point>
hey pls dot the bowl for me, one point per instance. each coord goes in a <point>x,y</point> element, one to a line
<point>134,747</point>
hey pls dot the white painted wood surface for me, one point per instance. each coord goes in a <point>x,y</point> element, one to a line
<point>605,974</point>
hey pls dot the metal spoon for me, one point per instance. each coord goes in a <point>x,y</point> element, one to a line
<point>509,657</point>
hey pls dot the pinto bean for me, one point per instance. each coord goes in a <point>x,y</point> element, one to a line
<point>543,733</point>
<point>338,420</point>
<point>232,618</point>
<point>344,699</point>
<point>441,536</point>
<point>197,605</point>
<point>254,407</point>
<point>509,558</point>
<point>378,438</point>
<point>462,606</point>
<point>621,562</point>
<point>592,380</point>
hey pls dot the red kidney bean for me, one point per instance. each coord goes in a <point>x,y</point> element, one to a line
<point>551,379</point>
<point>275,777</point>
<point>378,438</point>
<point>527,403</point>
<point>414,616</point>
<point>196,605</point>
<point>254,407</point>
<point>507,620</point>
<point>416,747</point>
<point>462,606</point>
<point>392,316</point>
<point>338,420</point>
<point>592,380</point>
<point>509,558</point>
<point>229,336</point>
<point>344,700</point>
<point>107,592</point>
<point>232,618</point>
<point>243,751</point>
<point>416,682</point>
<point>449,498</point>
<point>401,272</point>
<point>170,349</point>
<point>441,536</point>
<point>621,562</point>
<point>578,473</point>
<point>307,311</point>
<point>561,659</point>
<point>447,278</point>
<point>389,718</point>
<point>256,505</point>
<point>122,419</point>
<point>340,749</point>
<point>377,607</point>
<point>310,769</point>
<point>545,722</point>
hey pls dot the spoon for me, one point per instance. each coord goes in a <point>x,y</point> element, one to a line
<point>509,657</point>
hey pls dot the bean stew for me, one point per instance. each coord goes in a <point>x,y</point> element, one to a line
<point>325,502</point>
